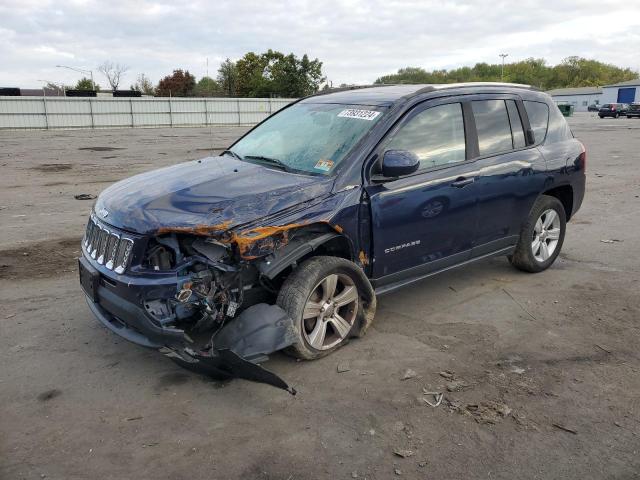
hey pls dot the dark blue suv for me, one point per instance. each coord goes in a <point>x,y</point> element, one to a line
<point>284,241</point>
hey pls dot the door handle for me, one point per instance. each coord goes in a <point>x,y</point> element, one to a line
<point>462,182</point>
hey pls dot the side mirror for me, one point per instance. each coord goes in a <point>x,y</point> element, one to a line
<point>531,137</point>
<point>396,163</point>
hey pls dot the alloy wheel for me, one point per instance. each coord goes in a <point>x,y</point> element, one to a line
<point>546,234</point>
<point>330,311</point>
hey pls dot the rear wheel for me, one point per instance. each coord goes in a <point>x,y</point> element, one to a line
<point>541,236</point>
<point>324,297</point>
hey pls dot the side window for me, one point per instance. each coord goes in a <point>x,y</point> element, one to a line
<point>558,127</point>
<point>538,114</point>
<point>516,125</point>
<point>492,124</point>
<point>435,135</point>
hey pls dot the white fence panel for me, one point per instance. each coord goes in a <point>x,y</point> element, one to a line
<point>65,112</point>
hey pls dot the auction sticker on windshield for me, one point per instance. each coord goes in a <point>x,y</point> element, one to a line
<point>324,165</point>
<point>361,114</point>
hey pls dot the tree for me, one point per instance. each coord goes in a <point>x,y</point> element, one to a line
<point>296,78</point>
<point>274,74</point>
<point>207,87</point>
<point>113,72</point>
<point>85,84</point>
<point>228,78</point>
<point>57,88</point>
<point>144,85</point>
<point>571,72</point>
<point>252,81</point>
<point>178,84</point>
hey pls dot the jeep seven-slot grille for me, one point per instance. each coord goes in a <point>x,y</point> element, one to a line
<point>107,246</point>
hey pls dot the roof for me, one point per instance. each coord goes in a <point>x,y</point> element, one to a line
<point>575,91</point>
<point>388,94</point>
<point>628,83</point>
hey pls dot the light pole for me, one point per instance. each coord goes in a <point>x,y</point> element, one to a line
<point>503,55</point>
<point>81,70</point>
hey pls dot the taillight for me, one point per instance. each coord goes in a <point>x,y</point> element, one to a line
<point>582,159</point>
<point>613,108</point>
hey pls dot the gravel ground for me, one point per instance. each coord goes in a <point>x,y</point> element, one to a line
<point>544,370</point>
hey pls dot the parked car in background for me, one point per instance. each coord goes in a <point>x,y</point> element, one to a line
<point>634,110</point>
<point>613,110</point>
<point>593,107</point>
<point>285,239</point>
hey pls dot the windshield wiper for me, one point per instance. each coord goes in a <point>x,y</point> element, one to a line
<point>269,160</point>
<point>232,153</point>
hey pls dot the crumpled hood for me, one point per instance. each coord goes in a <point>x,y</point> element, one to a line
<point>212,194</point>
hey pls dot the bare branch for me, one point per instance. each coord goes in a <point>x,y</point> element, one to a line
<point>113,72</point>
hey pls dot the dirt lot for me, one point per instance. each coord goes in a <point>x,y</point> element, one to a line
<point>547,366</point>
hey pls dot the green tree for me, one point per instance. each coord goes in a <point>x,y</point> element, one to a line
<point>144,85</point>
<point>178,84</point>
<point>253,77</point>
<point>228,78</point>
<point>571,72</point>
<point>85,84</point>
<point>296,78</point>
<point>207,87</point>
<point>274,74</point>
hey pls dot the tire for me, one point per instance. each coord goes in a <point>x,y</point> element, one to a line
<point>328,325</point>
<point>524,256</point>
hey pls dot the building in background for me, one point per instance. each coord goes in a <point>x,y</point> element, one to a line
<point>623,92</point>
<point>580,97</point>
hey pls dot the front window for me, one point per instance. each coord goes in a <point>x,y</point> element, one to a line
<point>435,135</point>
<point>308,137</point>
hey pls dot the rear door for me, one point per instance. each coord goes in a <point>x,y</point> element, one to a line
<point>510,172</point>
<point>426,220</point>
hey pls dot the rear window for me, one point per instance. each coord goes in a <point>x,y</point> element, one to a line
<point>538,114</point>
<point>558,130</point>
<point>607,105</point>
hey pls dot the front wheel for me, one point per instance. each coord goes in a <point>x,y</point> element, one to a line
<point>541,236</point>
<point>325,297</point>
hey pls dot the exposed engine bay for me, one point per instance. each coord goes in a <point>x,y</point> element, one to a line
<point>217,289</point>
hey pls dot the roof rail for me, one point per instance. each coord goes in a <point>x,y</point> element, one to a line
<point>344,89</point>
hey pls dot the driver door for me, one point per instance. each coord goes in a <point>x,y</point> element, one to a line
<point>425,221</point>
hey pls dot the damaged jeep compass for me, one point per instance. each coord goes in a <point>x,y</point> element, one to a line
<point>285,239</point>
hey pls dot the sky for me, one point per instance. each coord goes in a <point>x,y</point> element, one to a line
<point>357,40</point>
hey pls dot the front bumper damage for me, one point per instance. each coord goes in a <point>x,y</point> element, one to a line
<point>235,350</point>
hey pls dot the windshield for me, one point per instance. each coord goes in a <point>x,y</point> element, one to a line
<point>308,137</point>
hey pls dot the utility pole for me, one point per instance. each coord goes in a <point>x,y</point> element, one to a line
<point>503,55</point>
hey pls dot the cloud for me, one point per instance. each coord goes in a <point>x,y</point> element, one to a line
<point>358,40</point>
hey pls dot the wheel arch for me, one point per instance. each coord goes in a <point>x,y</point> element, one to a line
<point>564,193</point>
<point>307,243</point>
